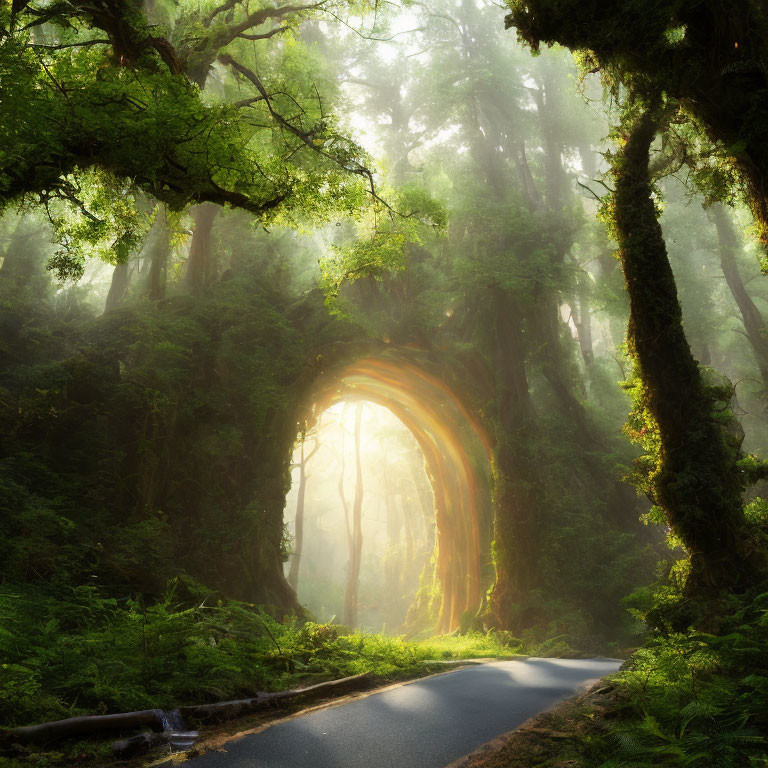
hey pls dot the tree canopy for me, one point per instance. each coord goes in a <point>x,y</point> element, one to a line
<point>105,103</point>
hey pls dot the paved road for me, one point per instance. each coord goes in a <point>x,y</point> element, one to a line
<point>423,724</point>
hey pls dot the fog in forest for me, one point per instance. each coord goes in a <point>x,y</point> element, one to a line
<point>343,338</point>
<point>397,517</point>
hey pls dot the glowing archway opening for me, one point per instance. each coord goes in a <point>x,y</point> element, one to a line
<point>450,440</point>
<point>395,587</point>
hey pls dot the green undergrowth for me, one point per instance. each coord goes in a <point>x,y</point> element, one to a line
<point>471,645</point>
<point>692,696</point>
<point>80,653</point>
<point>696,699</point>
<point>684,699</point>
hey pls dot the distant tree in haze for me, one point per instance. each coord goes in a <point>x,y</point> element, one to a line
<point>298,538</point>
<point>354,530</point>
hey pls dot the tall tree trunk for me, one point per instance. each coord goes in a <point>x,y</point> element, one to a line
<point>545,319</point>
<point>159,253</point>
<point>198,264</point>
<point>515,477</point>
<point>582,318</point>
<point>527,183</point>
<point>750,314</point>
<point>121,279</point>
<point>545,324</point>
<point>697,484</point>
<point>393,555</point>
<point>351,594</point>
<point>549,110</point>
<point>298,541</point>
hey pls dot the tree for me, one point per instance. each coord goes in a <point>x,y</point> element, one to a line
<point>96,104</point>
<point>198,268</point>
<point>354,532</point>
<point>754,325</point>
<point>298,540</point>
<point>708,56</point>
<point>159,252</point>
<point>706,63</point>
<point>697,480</point>
<point>490,294</point>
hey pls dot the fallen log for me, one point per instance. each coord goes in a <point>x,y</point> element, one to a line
<point>87,725</point>
<point>229,710</point>
<point>46,733</point>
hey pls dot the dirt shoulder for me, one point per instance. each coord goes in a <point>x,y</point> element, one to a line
<point>561,737</point>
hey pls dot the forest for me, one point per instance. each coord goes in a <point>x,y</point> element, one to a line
<point>408,360</point>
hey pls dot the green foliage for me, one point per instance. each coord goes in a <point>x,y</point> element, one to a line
<point>147,443</point>
<point>74,651</point>
<point>515,248</point>
<point>145,453</point>
<point>87,123</point>
<point>381,245</point>
<point>648,48</point>
<point>696,699</point>
<point>101,219</point>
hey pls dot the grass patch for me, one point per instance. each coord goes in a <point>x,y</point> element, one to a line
<point>86,654</point>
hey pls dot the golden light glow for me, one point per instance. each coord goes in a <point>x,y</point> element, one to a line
<point>449,438</point>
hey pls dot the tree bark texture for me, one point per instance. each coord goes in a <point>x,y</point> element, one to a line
<point>697,483</point>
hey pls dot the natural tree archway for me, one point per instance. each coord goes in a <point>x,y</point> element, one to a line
<point>456,454</point>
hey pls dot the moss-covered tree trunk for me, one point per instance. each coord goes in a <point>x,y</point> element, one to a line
<point>696,482</point>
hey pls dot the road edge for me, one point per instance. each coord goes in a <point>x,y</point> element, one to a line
<point>498,743</point>
<point>214,743</point>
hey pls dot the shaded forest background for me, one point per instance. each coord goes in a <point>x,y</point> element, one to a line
<point>162,332</point>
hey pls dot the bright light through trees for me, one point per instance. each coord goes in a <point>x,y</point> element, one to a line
<point>398,527</point>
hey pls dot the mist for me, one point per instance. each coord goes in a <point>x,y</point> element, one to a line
<point>343,339</point>
<point>396,512</point>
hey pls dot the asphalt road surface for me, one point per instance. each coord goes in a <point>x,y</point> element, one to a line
<point>427,723</point>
